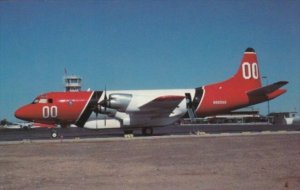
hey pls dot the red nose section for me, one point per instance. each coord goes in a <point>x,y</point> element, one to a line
<point>24,113</point>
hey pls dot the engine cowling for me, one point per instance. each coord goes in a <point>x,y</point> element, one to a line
<point>119,101</point>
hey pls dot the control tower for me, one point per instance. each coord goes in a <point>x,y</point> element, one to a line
<point>72,83</point>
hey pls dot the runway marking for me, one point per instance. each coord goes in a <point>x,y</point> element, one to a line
<point>99,139</point>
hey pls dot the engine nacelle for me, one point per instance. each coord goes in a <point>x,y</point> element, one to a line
<point>107,111</point>
<point>119,101</point>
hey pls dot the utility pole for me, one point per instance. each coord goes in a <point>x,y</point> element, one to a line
<point>267,83</point>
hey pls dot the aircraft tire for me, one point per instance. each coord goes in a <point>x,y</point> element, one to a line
<point>128,134</point>
<point>25,128</point>
<point>54,133</point>
<point>147,131</point>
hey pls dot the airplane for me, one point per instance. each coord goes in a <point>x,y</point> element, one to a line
<point>146,109</point>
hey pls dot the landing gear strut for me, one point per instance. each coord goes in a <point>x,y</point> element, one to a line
<point>147,131</point>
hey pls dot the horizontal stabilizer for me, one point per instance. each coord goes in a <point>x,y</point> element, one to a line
<point>263,91</point>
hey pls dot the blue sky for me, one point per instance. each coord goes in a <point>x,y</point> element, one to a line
<point>144,45</point>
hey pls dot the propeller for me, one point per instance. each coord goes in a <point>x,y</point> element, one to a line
<point>96,120</point>
<point>105,99</point>
<point>98,105</point>
<point>96,109</point>
<point>105,104</point>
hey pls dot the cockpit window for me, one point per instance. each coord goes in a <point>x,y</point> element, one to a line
<point>35,101</point>
<point>42,101</point>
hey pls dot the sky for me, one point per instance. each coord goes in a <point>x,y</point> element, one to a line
<point>150,44</point>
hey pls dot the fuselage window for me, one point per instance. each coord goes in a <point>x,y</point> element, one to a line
<point>50,101</point>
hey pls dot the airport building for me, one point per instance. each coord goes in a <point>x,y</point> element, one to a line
<point>238,116</point>
<point>241,116</point>
<point>287,118</point>
<point>248,116</point>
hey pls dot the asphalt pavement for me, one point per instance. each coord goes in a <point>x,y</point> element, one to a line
<point>71,133</point>
<point>213,162</point>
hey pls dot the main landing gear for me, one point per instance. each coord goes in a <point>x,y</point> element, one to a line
<point>146,131</point>
<point>128,134</point>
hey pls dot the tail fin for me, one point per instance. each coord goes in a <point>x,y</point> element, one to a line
<point>242,89</point>
<point>248,75</point>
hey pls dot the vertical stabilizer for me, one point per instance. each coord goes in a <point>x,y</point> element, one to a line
<point>248,75</point>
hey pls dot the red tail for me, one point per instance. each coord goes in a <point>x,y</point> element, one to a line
<point>232,93</point>
<point>248,76</point>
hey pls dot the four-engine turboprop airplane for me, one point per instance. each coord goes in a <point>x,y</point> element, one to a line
<point>145,109</point>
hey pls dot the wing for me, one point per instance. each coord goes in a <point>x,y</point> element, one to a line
<point>162,106</point>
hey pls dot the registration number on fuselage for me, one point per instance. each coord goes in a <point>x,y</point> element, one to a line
<point>219,102</point>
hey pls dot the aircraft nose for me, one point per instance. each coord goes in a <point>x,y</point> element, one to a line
<point>23,113</point>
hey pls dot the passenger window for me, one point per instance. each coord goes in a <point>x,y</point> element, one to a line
<point>50,101</point>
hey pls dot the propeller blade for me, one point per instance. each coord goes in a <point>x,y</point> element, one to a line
<point>105,99</point>
<point>96,120</point>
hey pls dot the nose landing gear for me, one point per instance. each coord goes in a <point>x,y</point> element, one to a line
<point>54,133</point>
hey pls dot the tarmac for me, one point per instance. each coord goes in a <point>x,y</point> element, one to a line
<point>240,160</point>
<point>82,133</point>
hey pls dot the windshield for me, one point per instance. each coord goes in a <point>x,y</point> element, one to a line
<point>35,101</point>
<point>42,101</point>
